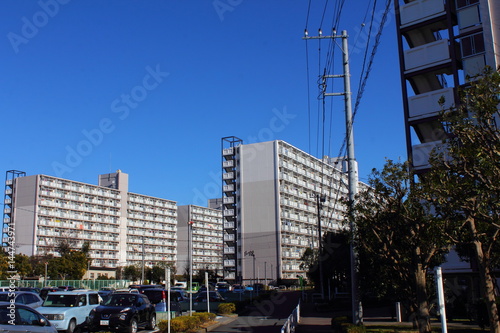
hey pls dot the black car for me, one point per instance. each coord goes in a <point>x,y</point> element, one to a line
<point>142,287</point>
<point>123,312</point>
<point>159,298</point>
<point>44,291</point>
<point>213,295</point>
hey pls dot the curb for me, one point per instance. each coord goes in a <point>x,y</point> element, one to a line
<point>220,321</point>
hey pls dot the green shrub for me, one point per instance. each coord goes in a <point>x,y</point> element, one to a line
<point>184,324</point>
<point>162,325</point>
<point>204,316</point>
<point>226,308</point>
<point>355,329</point>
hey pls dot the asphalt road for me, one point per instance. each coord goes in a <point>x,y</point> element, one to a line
<point>266,316</point>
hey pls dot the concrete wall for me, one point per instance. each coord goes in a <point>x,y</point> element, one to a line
<point>259,218</point>
<point>25,204</point>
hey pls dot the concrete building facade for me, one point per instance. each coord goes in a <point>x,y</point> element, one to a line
<point>205,241</point>
<point>441,44</point>
<point>271,192</point>
<point>123,228</point>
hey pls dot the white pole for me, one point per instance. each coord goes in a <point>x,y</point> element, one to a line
<point>398,312</point>
<point>208,292</point>
<point>440,291</point>
<point>190,290</point>
<point>167,281</point>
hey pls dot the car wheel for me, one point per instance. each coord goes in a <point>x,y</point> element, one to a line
<point>71,326</point>
<point>133,326</point>
<point>152,322</point>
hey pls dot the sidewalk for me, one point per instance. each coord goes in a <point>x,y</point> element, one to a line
<point>312,320</point>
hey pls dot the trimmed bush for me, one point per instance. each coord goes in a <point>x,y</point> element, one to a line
<point>226,308</point>
<point>204,316</point>
<point>355,329</point>
<point>162,325</point>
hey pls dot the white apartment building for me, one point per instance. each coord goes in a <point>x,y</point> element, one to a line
<point>271,192</point>
<point>205,241</point>
<point>441,43</point>
<point>123,228</point>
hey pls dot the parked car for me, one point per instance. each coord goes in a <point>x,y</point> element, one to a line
<point>46,290</point>
<point>223,287</point>
<point>65,288</point>
<point>159,298</point>
<point>214,296</point>
<point>69,310</point>
<point>104,292</point>
<point>141,287</point>
<point>22,297</point>
<point>32,289</point>
<point>238,288</point>
<point>123,312</point>
<point>23,319</point>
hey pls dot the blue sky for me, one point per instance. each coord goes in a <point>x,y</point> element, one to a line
<point>151,87</point>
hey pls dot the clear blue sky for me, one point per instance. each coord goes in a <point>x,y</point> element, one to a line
<point>151,87</point>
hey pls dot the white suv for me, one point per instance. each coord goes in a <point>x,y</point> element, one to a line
<point>68,310</point>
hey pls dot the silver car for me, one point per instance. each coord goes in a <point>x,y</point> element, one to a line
<point>19,318</point>
<point>22,297</point>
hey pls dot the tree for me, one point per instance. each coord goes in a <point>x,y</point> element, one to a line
<point>395,230</point>
<point>132,272</point>
<point>464,181</point>
<point>23,265</point>
<point>4,265</point>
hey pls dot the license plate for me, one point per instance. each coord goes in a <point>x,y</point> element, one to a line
<point>104,322</point>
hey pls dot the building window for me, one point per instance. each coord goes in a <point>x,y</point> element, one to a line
<point>472,45</point>
<point>465,3</point>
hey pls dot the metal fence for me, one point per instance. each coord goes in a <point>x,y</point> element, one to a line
<point>292,321</point>
<point>86,284</point>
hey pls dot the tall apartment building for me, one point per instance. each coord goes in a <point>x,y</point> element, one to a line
<point>440,44</point>
<point>271,193</point>
<point>123,228</point>
<point>205,241</point>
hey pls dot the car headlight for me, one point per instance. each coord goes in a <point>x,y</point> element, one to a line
<point>54,316</point>
<point>124,314</point>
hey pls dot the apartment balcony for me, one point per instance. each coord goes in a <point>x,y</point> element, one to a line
<point>228,164</point>
<point>8,191</point>
<point>228,225</point>
<point>228,152</point>
<point>6,220</point>
<point>228,200</point>
<point>7,211</point>
<point>421,153</point>
<point>228,176</point>
<point>229,212</point>
<point>8,201</point>
<point>427,105</point>
<point>422,10</point>
<point>427,56</point>
<point>229,237</point>
<point>230,276</point>
<point>474,65</point>
<point>228,188</point>
<point>229,250</point>
<point>229,263</point>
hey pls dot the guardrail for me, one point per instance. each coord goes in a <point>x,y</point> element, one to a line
<point>292,321</point>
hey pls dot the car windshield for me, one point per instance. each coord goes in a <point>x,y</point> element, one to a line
<point>60,300</point>
<point>121,300</point>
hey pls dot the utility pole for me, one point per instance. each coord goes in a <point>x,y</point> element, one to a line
<point>351,161</point>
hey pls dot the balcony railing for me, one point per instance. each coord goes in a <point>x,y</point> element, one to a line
<point>427,105</point>
<point>417,11</point>
<point>427,55</point>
